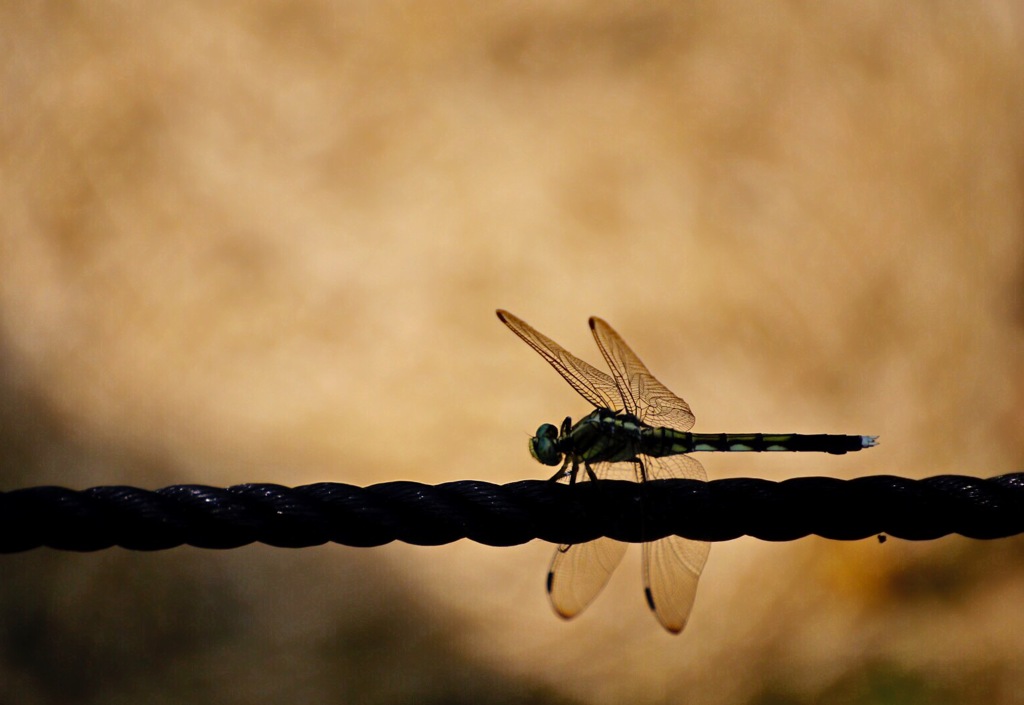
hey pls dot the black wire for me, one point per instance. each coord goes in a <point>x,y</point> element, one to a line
<point>505,515</point>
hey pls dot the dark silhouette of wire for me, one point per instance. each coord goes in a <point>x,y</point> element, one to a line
<point>505,515</point>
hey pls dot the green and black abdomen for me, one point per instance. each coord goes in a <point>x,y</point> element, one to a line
<point>659,442</point>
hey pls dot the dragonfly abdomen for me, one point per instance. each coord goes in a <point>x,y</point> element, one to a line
<point>660,442</point>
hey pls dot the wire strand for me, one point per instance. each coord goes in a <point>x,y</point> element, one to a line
<point>506,515</point>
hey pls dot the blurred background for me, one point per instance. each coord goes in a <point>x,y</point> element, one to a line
<point>264,242</point>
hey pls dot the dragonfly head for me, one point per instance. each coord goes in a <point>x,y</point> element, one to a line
<point>544,446</point>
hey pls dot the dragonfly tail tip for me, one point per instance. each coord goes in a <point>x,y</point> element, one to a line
<point>868,441</point>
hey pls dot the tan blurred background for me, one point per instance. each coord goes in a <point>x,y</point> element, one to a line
<point>263,242</point>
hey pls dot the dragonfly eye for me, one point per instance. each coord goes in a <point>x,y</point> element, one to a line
<point>544,446</point>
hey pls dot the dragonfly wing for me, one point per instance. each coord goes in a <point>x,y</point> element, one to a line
<point>591,383</point>
<point>641,393</point>
<point>671,569</point>
<point>672,565</point>
<point>580,571</point>
<point>673,467</point>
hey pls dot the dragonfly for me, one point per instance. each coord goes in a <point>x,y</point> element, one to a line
<point>638,430</point>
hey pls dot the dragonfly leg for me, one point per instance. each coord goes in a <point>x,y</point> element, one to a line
<point>566,427</point>
<point>574,473</point>
<point>640,470</point>
<point>562,472</point>
<point>590,471</point>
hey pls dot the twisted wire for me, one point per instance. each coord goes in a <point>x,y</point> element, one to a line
<point>505,515</point>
